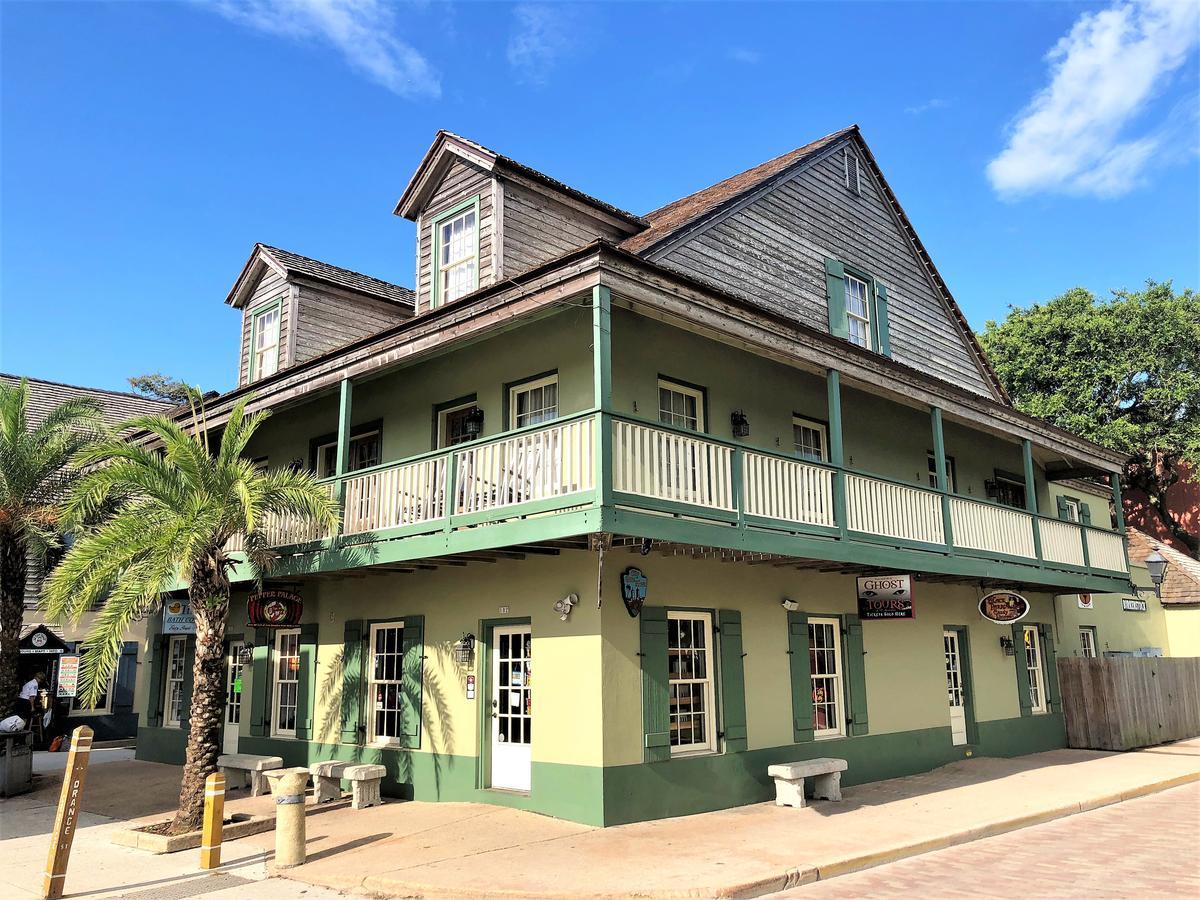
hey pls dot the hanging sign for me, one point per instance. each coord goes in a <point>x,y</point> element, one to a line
<point>274,609</point>
<point>178,618</point>
<point>885,597</point>
<point>68,676</point>
<point>633,590</point>
<point>1085,601</point>
<point>1130,605</point>
<point>1003,607</point>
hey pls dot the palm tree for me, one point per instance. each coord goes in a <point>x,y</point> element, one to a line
<point>35,472</point>
<point>174,510</point>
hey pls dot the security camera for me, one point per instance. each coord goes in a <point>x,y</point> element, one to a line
<point>789,605</point>
<point>563,607</point>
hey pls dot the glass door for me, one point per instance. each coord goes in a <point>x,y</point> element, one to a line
<point>512,709</point>
<point>233,698</point>
<point>954,688</point>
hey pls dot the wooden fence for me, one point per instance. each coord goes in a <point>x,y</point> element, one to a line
<point>1123,703</point>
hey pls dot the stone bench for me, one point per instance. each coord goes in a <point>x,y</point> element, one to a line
<point>327,780</point>
<point>246,770</point>
<point>789,780</point>
<point>364,785</point>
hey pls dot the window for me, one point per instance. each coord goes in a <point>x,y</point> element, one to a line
<point>850,170</point>
<point>101,705</point>
<point>1010,492</point>
<point>1087,641</point>
<point>287,682</point>
<point>533,402</point>
<point>858,311</point>
<point>680,405</point>
<point>176,671</point>
<point>690,682</point>
<point>452,424</point>
<point>386,683</point>
<point>825,670</point>
<point>1070,508</point>
<point>265,349</point>
<point>810,439</point>
<point>1033,663</point>
<point>457,255</point>
<point>364,452</point>
<point>951,473</point>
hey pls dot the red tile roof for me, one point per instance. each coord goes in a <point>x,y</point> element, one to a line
<point>1182,582</point>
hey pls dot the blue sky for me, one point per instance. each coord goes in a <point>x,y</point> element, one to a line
<point>147,146</point>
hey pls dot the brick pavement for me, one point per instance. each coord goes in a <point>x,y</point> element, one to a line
<point>1140,848</point>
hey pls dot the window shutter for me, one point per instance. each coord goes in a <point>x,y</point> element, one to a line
<point>1022,663</point>
<point>656,723</point>
<point>306,685</point>
<point>883,342</point>
<point>413,645</point>
<point>189,664</point>
<point>352,675</point>
<point>156,653</point>
<point>856,675</point>
<point>802,707</point>
<point>260,684</point>
<point>1050,663</point>
<point>1085,514</point>
<point>733,680</point>
<point>1063,514</point>
<point>835,294</point>
<point>122,701</point>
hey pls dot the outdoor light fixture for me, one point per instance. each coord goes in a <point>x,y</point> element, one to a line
<point>564,606</point>
<point>473,422</point>
<point>739,423</point>
<point>1006,643</point>
<point>647,545</point>
<point>464,650</point>
<point>789,605</point>
<point>1156,565</point>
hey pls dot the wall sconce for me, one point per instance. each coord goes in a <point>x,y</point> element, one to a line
<point>246,654</point>
<point>473,422</point>
<point>990,489</point>
<point>739,423</point>
<point>1156,566</point>
<point>464,650</point>
<point>564,606</point>
<point>1006,644</point>
<point>789,604</point>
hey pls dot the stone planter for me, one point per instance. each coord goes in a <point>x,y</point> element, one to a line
<point>241,825</point>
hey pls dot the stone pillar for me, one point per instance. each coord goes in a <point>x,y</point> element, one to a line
<point>288,786</point>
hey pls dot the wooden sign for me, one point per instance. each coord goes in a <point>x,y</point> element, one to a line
<point>885,597</point>
<point>214,818</point>
<point>69,808</point>
<point>1003,607</point>
<point>274,609</point>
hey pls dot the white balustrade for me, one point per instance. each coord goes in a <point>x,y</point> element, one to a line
<point>407,494</point>
<point>893,510</point>
<point>995,529</point>
<point>1106,550</point>
<point>777,488</point>
<point>1062,542</point>
<point>669,465</point>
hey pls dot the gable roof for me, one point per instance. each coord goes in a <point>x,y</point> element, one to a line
<point>116,406</point>
<point>291,264</point>
<point>1181,585</point>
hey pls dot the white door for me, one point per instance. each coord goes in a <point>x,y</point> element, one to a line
<point>233,698</point>
<point>512,712</point>
<point>955,689</point>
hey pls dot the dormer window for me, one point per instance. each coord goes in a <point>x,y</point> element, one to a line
<point>265,343</point>
<point>456,236</point>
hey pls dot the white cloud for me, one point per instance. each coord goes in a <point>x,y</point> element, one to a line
<point>744,55</point>
<point>363,31</point>
<point>541,36</point>
<point>935,103</point>
<point>1072,138</point>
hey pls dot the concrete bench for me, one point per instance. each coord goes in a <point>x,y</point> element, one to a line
<point>364,785</point>
<point>789,780</point>
<point>327,780</point>
<point>246,770</point>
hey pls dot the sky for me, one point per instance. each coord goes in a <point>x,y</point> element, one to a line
<point>145,146</point>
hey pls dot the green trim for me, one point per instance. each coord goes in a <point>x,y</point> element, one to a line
<point>466,400</point>
<point>156,655</point>
<point>656,724</point>
<point>835,298</point>
<point>358,431</point>
<point>260,683</point>
<point>837,449</point>
<point>855,676</point>
<point>943,484</point>
<point>306,681</point>
<point>674,506</point>
<point>800,677</point>
<point>506,399</point>
<point>255,314</point>
<point>602,397</point>
<point>679,382</point>
<point>1021,663</point>
<point>1050,668</point>
<point>879,321</point>
<point>732,676</point>
<point>353,657</point>
<point>967,676</point>
<point>435,274</point>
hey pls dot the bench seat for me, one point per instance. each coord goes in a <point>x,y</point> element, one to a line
<point>327,780</point>
<point>246,770</point>
<point>365,781</point>
<point>826,774</point>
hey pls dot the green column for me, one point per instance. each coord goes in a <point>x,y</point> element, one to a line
<point>837,454</point>
<point>939,462</point>
<point>1119,513</point>
<point>602,391</point>
<point>345,406</point>
<point>1031,504</point>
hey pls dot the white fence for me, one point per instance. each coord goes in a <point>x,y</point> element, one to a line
<point>893,510</point>
<point>407,494</point>
<point>1062,542</point>
<point>1106,551</point>
<point>778,488</point>
<point>668,465</point>
<point>994,529</point>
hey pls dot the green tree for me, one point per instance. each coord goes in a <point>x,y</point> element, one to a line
<point>158,386</point>
<point>173,510</point>
<point>35,472</point>
<point>1124,372</point>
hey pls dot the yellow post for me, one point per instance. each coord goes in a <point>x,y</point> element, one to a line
<point>68,813</point>
<point>214,818</point>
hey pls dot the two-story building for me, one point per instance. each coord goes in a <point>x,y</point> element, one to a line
<point>620,475</point>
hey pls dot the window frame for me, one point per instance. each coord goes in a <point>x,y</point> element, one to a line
<point>695,391</point>
<point>814,425</point>
<point>998,475</point>
<point>436,297</point>
<point>318,445</point>
<point>951,473</point>
<point>254,369</point>
<point>373,739</point>
<point>868,303</point>
<point>1074,508</point>
<point>514,388</point>
<point>838,678</point>
<point>80,649</point>
<point>276,731</point>
<point>1037,669</point>
<point>1093,638</point>
<point>179,640</point>
<point>441,414</point>
<point>710,711</point>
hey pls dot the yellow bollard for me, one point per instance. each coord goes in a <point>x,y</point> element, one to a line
<point>68,813</point>
<point>214,819</point>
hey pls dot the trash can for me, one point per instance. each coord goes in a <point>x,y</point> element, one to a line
<point>16,763</point>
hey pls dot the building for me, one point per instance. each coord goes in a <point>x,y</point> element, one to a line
<point>44,644</point>
<point>1181,499</point>
<point>609,483</point>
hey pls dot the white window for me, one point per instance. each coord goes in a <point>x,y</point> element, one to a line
<point>102,702</point>
<point>680,405</point>
<point>364,452</point>
<point>1071,509</point>
<point>1033,663</point>
<point>1087,641</point>
<point>457,253</point>
<point>825,670</point>
<point>858,311</point>
<point>533,402</point>
<point>810,439</point>
<point>452,424</point>
<point>690,682</point>
<point>386,686</point>
<point>176,671</point>
<point>951,474</point>
<point>266,343</point>
<point>287,682</point>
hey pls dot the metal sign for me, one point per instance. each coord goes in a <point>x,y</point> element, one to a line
<point>1133,605</point>
<point>274,609</point>
<point>178,618</point>
<point>68,676</point>
<point>1086,602</point>
<point>633,590</point>
<point>1003,607</point>
<point>885,597</point>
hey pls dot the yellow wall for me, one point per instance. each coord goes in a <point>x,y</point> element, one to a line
<point>1183,630</point>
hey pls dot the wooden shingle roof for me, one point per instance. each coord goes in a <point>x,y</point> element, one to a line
<point>118,406</point>
<point>1182,582</point>
<point>305,266</point>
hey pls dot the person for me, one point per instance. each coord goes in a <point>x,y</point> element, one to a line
<point>29,691</point>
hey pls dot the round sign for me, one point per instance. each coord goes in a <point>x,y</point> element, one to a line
<point>1003,607</point>
<point>38,639</point>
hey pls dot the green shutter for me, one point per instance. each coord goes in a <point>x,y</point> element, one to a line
<point>1085,514</point>
<point>655,716</point>
<point>835,294</point>
<point>156,654</point>
<point>883,341</point>
<point>1063,514</point>
<point>306,684</point>
<point>968,683</point>
<point>413,645</point>
<point>802,707</point>
<point>1022,663</point>
<point>1050,664</point>
<point>352,674</point>
<point>856,675</point>
<point>125,676</point>
<point>260,682</point>
<point>189,665</point>
<point>733,680</point>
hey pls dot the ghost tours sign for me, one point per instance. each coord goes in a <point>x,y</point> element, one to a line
<point>885,597</point>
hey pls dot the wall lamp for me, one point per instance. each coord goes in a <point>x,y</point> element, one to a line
<point>473,422</point>
<point>1157,566</point>
<point>1006,644</point>
<point>464,650</point>
<point>739,424</point>
<point>789,604</point>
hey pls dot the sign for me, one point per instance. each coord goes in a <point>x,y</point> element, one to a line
<point>178,618</point>
<point>1003,607</point>
<point>1133,605</point>
<point>68,676</point>
<point>38,640</point>
<point>274,609</point>
<point>1085,601</point>
<point>885,597</point>
<point>67,818</point>
<point>633,590</point>
<point>470,687</point>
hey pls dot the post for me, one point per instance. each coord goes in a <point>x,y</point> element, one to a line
<point>345,406</point>
<point>837,455</point>
<point>288,787</point>
<point>1031,505</point>
<point>602,391</point>
<point>943,483</point>
<point>67,818</point>
<point>214,819</point>
<point>1119,514</point>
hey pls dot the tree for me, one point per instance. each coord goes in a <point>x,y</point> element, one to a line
<point>158,386</point>
<point>34,473</point>
<point>1124,372</point>
<point>172,514</point>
